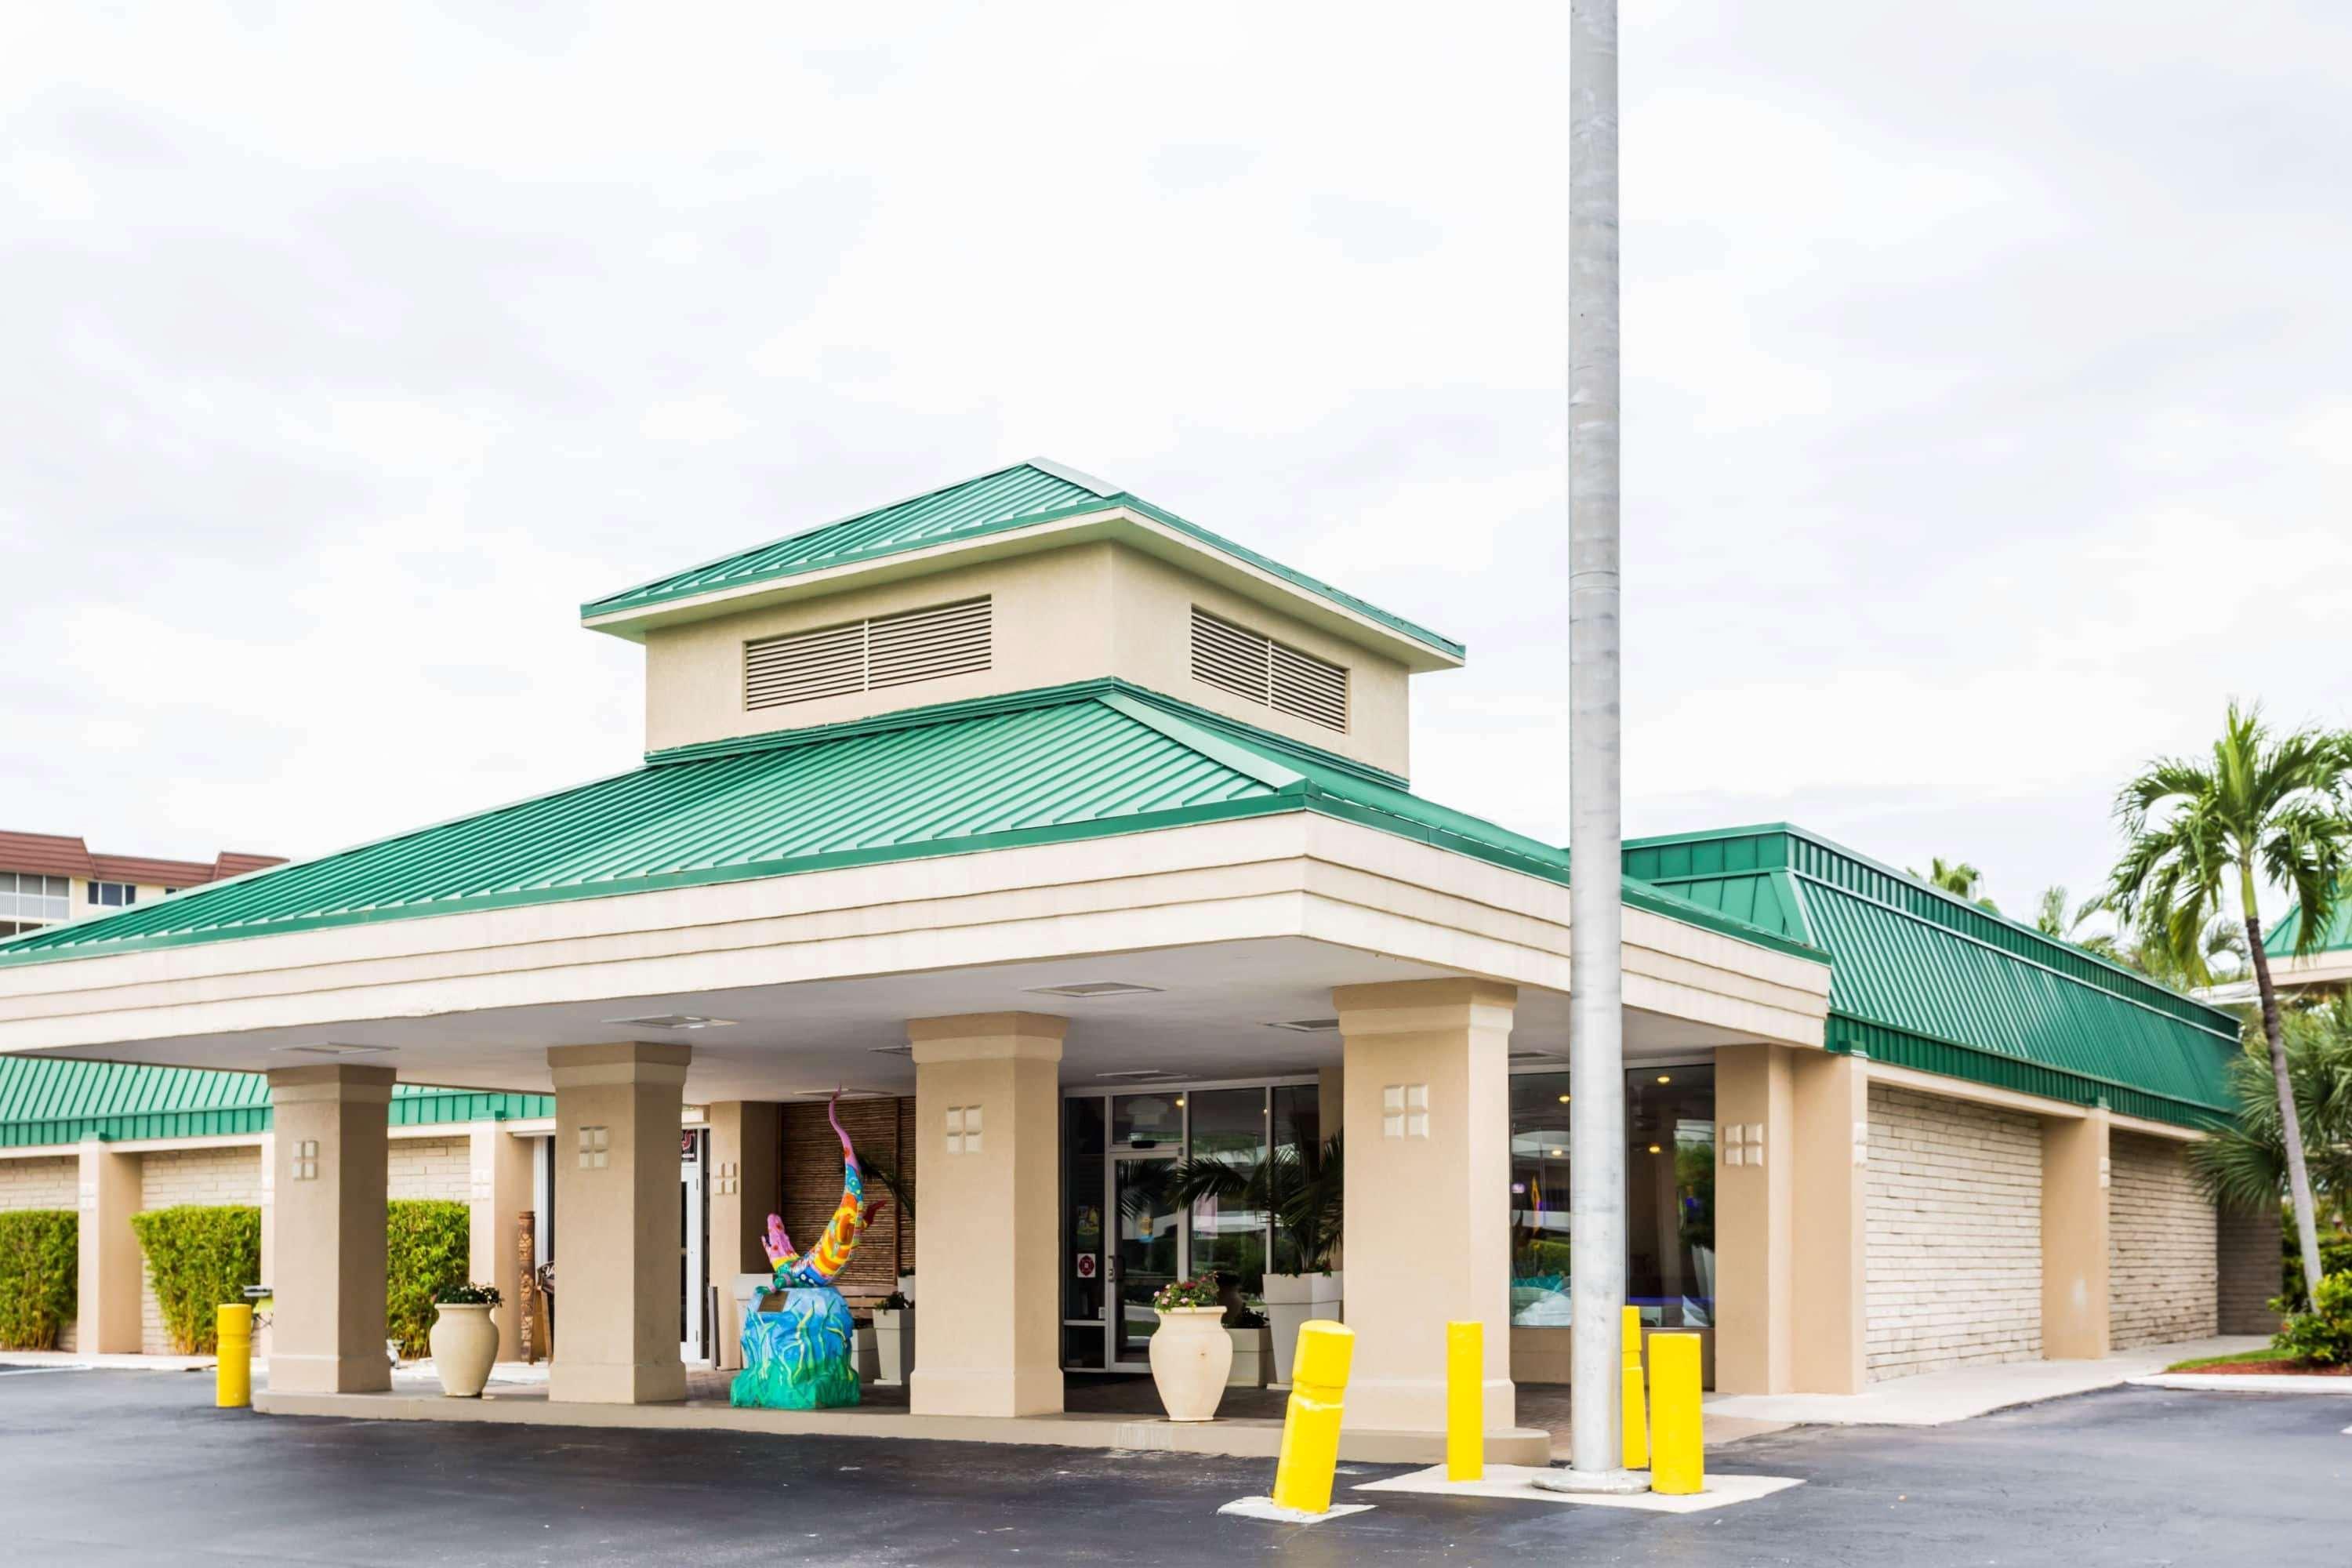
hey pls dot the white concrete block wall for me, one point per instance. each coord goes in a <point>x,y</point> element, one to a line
<point>2162,1247</point>
<point>1954,1233</point>
<point>43,1183</point>
<point>174,1176</point>
<point>429,1168</point>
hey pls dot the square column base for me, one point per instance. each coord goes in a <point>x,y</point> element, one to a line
<point>1418,1404</point>
<point>1028,1392</point>
<point>331,1374</point>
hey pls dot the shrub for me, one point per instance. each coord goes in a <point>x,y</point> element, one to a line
<point>200,1258</point>
<point>424,1253</point>
<point>40,1266</point>
<point>2335,1257</point>
<point>2322,1336</point>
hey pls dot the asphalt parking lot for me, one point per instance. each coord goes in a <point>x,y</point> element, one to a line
<point>106,1468</point>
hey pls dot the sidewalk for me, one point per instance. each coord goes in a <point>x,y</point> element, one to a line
<point>1933,1398</point>
<point>56,1361</point>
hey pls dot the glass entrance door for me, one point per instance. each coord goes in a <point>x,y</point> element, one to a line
<point>1149,1252</point>
<point>691,1271</point>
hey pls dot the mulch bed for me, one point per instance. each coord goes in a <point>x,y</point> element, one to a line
<point>2268,1369</point>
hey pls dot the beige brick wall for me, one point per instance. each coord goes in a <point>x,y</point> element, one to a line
<point>44,1184</point>
<point>170,1177</point>
<point>1954,1230</point>
<point>2162,1247</point>
<point>430,1168</point>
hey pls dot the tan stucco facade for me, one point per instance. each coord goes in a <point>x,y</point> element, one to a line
<point>327,1328</point>
<point>1428,1170</point>
<point>988,1110</point>
<point>1078,614</point>
<point>617,1111</point>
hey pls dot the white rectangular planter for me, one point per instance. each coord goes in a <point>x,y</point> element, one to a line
<point>1292,1299</point>
<point>894,1342</point>
<point>1253,1358</point>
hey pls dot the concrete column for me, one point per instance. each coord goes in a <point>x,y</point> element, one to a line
<point>746,1186</point>
<point>111,1271</point>
<point>1428,1186</point>
<point>2074,1179</point>
<point>1754,1219</point>
<point>498,1195</point>
<point>1830,1150</point>
<point>988,1129</point>
<point>617,1110</point>
<point>327,1186</point>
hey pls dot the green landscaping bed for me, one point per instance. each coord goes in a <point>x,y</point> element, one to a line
<point>2265,1361</point>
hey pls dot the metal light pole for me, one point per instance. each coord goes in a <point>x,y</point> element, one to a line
<point>1596,826</point>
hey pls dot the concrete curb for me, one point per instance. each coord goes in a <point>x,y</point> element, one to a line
<point>2248,1383</point>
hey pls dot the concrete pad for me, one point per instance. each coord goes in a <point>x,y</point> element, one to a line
<point>1516,1483</point>
<point>1933,1398</point>
<point>62,1360</point>
<point>528,1405</point>
<point>2248,1383</point>
<point>1273,1512</point>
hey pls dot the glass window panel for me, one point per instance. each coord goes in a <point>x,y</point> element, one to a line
<point>1147,1121</point>
<point>1670,1194</point>
<point>1229,1228</point>
<point>1298,1143</point>
<point>1540,1242</point>
<point>1082,1214</point>
<point>1150,1246</point>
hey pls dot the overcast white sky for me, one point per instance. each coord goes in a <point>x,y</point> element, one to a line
<point>1988,412</point>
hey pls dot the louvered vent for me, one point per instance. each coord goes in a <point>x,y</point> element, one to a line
<point>1254,666</point>
<point>928,644</point>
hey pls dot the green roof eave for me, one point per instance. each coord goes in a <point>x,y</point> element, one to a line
<point>698,583</point>
<point>2285,937</point>
<point>1236,773</point>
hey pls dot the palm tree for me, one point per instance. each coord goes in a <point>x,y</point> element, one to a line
<point>1957,878</point>
<point>2244,1164</point>
<point>2052,918</point>
<point>2266,807</point>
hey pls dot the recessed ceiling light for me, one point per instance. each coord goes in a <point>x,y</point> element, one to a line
<point>331,1050</point>
<point>1653,1148</point>
<point>1665,1077</point>
<point>1563,1099</point>
<point>1308,1026</point>
<point>1093,988</point>
<point>673,1021</point>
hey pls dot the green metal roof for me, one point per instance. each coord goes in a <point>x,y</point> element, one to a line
<point>50,1100</point>
<point>1025,495</point>
<point>1926,980</point>
<point>1090,759</point>
<point>2281,940</point>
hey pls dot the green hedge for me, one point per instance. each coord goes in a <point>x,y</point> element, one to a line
<point>40,1267</point>
<point>425,1243</point>
<point>2335,1257</point>
<point>200,1258</point>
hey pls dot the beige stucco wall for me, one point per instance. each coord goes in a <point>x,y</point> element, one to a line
<point>1954,1221</point>
<point>2162,1246</point>
<point>1074,614</point>
<point>429,1168</point>
<point>173,1176</point>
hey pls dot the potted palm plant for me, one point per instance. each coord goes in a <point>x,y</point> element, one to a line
<point>1191,1356</point>
<point>1309,1216</point>
<point>464,1338</point>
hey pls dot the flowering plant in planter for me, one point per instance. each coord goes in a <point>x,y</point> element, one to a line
<point>1179,1294</point>
<point>464,1295</point>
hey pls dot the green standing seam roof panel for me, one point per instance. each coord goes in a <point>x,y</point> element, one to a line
<point>1022,496</point>
<point>1928,981</point>
<point>2280,941</point>
<point>54,1100</point>
<point>1097,759</point>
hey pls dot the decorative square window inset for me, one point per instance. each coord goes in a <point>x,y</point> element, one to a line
<point>596,1148</point>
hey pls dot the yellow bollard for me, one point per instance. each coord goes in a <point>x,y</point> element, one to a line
<point>1466,1415</point>
<point>1637,1422</point>
<point>233,1382</point>
<point>1310,1424</point>
<point>1678,1467</point>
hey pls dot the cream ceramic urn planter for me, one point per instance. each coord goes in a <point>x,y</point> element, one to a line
<point>1191,1358</point>
<point>465,1344</point>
